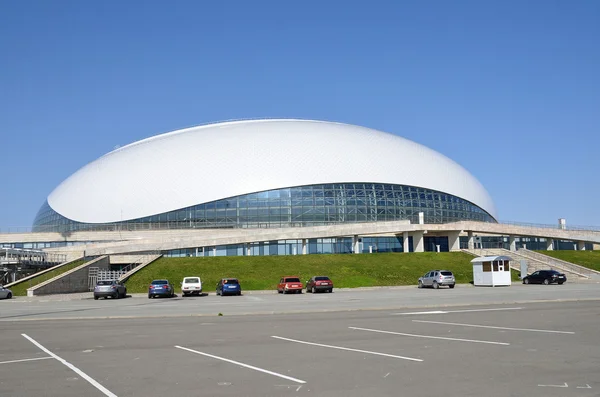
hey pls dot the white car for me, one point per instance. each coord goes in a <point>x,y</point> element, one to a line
<point>191,286</point>
<point>5,293</point>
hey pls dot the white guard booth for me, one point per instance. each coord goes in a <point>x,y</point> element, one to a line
<point>491,270</point>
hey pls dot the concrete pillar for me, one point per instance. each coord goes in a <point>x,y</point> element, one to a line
<point>512,241</point>
<point>214,251</point>
<point>549,244</point>
<point>471,243</point>
<point>405,242</point>
<point>418,242</point>
<point>304,246</point>
<point>248,250</point>
<point>355,244</point>
<point>581,245</point>
<point>454,241</point>
<point>421,218</point>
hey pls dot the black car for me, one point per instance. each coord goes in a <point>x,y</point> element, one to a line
<point>545,277</point>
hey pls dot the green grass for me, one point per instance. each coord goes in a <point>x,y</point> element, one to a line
<point>21,288</point>
<point>589,259</point>
<point>346,271</point>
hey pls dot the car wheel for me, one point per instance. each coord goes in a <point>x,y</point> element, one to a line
<point>560,283</point>
<point>299,291</point>
<point>149,296</point>
<point>451,286</point>
<point>95,298</point>
<point>313,290</point>
<point>116,296</point>
<point>330,290</point>
<point>420,284</point>
<point>525,281</point>
<point>435,285</point>
<point>546,281</point>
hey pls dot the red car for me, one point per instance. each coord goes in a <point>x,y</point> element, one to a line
<point>319,284</point>
<point>290,284</point>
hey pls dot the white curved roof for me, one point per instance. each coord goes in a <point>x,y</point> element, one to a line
<point>200,164</point>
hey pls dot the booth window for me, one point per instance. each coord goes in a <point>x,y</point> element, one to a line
<point>487,266</point>
<point>495,266</point>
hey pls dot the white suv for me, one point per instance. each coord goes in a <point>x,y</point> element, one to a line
<point>436,278</point>
<point>191,286</point>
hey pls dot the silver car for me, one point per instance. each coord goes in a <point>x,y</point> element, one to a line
<point>113,288</point>
<point>5,293</point>
<point>437,278</point>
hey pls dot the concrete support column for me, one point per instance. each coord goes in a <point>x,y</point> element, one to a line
<point>418,242</point>
<point>580,246</point>
<point>214,251</point>
<point>248,250</point>
<point>549,244</point>
<point>454,241</point>
<point>421,218</point>
<point>304,246</point>
<point>405,242</point>
<point>512,242</point>
<point>355,244</point>
<point>471,243</point>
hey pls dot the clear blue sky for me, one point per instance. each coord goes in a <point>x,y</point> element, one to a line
<point>508,89</point>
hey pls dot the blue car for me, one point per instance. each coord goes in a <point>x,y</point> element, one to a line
<point>160,288</point>
<point>229,286</point>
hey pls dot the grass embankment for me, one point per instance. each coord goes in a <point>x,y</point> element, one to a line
<point>589,259</point>
<point>346,271</point>
<point>21,288</point>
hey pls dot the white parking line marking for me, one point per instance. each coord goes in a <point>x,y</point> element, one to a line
<point>26,359</point>
<point>431,337</point>
<point>459,311</point>
<point>565,385</point>
<point>72,367</point>
<point>242,365</point>
<point>493,327</point>
<point>348,349</point>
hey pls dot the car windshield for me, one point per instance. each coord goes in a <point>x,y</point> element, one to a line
<point>446,273</point>
<point>193,280</point>
<point>105,282</point>
<point>321,278</point>
<point>292,280</point>
<point>230,281</point>
<point>160,282</point>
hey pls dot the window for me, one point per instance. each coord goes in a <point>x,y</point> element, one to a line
<point>487,266</point>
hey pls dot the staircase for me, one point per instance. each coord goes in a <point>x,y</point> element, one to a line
<point>537,261</point>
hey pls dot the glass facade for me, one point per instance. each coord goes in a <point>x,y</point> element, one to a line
<point>314,205</point>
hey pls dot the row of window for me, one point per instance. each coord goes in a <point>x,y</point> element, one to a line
<point>301,206</point>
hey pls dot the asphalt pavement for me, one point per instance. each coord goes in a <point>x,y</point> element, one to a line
<point>510,341</point>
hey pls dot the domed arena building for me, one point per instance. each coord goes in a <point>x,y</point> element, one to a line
<point>264,174</point>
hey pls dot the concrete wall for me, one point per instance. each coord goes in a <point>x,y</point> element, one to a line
<point>75,280</point>
<point>24,279</point>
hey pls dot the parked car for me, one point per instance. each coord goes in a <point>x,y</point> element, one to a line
<point>160,288</point>
<point>437,278</point>
<point>229,286</point>
<point>290,284</point>
<point>319,284</point>
<point>5,293</point>
<point>113,288</point>
<point>545,277</point>
<point>191,286</point>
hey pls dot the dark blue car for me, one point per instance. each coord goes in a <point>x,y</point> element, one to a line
<point>160,288</point>
<point>229,286</point>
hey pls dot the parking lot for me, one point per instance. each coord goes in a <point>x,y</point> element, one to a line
<point>533,349</point>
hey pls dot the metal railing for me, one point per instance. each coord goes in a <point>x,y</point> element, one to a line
<point>186,224</point>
